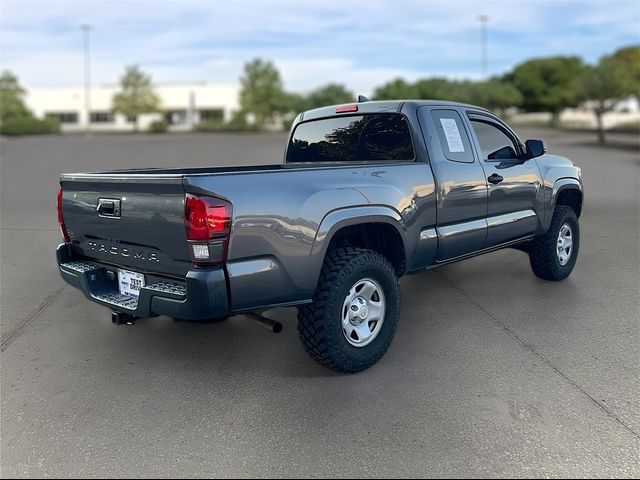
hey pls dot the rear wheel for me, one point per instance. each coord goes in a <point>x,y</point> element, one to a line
<point>554,254</point>
<point>355,311</point>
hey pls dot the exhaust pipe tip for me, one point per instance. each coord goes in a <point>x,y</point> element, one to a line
<point>272,325</point>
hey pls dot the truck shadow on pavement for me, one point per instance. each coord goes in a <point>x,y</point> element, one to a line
<point>435,304</point>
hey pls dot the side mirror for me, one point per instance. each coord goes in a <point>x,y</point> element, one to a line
<point>535,148</point>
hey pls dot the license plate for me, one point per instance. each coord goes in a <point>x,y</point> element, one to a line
<point>130,282</point>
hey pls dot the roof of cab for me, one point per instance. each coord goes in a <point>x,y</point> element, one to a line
<point>380,106</point>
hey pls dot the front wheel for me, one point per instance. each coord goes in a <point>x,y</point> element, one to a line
<point>355,311</point>
<point>554,254</point>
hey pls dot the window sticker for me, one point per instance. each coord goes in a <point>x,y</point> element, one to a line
<point>452,135</point>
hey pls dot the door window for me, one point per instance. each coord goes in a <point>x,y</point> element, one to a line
<point>494,142</point>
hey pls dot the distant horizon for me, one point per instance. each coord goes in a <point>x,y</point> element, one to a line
<point>361,47</point>
<point>154,83</point>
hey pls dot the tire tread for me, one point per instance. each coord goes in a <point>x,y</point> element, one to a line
<point>542,252</point>
<point>312,318</point>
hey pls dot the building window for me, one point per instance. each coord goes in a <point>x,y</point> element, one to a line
<point>63,117</point>
<point>131,119</point>
<point>216,115</point>
<point>101,117</point>
<point>175,117</point>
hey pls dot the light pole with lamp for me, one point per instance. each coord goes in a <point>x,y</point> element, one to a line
<point>86,30</point>
<point>484,20</point>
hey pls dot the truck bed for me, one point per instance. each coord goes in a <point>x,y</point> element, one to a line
<point>276,233</point>
<point>218,170</point>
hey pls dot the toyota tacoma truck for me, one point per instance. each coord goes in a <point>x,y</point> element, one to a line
<point>367,193</point>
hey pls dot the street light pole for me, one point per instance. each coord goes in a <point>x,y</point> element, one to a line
<point>484,62</point>
<point>86,30</point>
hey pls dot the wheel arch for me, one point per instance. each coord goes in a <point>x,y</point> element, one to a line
<point>568,192</point>
<point>377,228</point>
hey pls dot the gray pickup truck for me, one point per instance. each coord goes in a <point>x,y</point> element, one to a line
<point>367,192</point>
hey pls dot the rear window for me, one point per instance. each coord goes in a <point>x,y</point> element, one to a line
<point>359,138</point>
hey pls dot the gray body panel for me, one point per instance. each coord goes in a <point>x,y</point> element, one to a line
<point>149,233</point>
<point>516,205</point>
<point>284,216</point>
<point>283,219</point>
<point>461,192</point>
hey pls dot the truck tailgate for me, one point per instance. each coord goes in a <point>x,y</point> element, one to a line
<point>133,221</point>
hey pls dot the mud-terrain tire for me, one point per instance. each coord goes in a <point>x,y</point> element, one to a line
<point>554,254</point>
<point>355,310</point>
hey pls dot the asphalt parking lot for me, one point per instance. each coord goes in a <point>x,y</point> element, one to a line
<point>493,372</point>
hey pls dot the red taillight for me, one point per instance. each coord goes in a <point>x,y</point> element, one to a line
<point>63,229</point>
<point>206,217</point>
<point>208,223</point>
<point>347,108</point>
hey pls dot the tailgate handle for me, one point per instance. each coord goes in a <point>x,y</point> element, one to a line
<point>108,207</point>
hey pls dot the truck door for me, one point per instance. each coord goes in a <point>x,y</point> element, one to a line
<point>461,184</point>
<point>515,190</point>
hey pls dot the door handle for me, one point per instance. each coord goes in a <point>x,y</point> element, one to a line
<point>495,179</point>
<point>108,207</point>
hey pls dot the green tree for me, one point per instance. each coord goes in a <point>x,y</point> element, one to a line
<point>495,94</point>
<point>137,95</point>
<point>331,94</point>
<point>464,91</point>
<point>438,88</point>
<point>434,88</point>
<point>11,98</point>
<point>293,103</point>
<point>261,91</point>
<point>630,57</point>
<point>397,89</point>
<point>604,85</point>
<point>548,84</point>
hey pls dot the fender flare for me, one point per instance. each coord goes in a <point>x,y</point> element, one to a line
<point>346,217</point>
<point>560,185</point>
<point>565,184</point>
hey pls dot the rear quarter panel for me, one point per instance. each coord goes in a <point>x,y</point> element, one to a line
<point>283,220</point>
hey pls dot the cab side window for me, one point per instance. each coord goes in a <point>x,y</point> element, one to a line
<point>452,135</point>
<point>494,143</point>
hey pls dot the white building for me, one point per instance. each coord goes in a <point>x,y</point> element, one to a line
<point>625,113</point>
<point>183,106</point>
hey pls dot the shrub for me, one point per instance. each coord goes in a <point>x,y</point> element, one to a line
<point>211,126</point>
<point>28,125</point>
<point>237,123</point>
<point>159,126</point>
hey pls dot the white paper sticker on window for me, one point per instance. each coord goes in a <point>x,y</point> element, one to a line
<point>452,133</point>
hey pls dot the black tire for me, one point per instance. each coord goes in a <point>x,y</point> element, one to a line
<point>543,252</point>
<point>320,323</point>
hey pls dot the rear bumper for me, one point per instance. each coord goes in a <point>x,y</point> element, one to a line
<point>202,295</point>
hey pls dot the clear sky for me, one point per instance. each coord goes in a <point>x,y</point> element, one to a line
<point>358,43</point>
